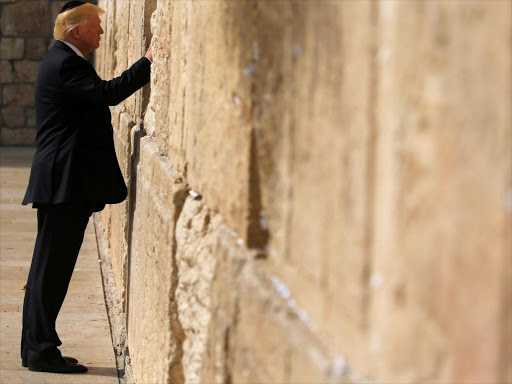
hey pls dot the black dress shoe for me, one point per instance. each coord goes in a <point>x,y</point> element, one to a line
<point>24,362</point>
<point>58,365</point>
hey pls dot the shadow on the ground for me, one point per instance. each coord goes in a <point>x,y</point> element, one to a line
<point>102,371</point>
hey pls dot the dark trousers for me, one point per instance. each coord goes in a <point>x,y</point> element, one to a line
<point>60,232</point>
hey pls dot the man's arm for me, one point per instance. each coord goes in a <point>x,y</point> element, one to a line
<point>81,82</point>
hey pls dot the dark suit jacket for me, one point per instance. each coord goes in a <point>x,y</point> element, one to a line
<point>75,160</point>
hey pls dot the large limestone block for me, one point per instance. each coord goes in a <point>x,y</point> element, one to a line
<point>122,36</point>
<point>135,46</point>
<point>310,166</point>
<point>104,60</point>
<point>193,112</point>
<point>154,333</point>
<point>196,232</point>
<point>258,333</point>
<point>442,240</point>
<point>119,213</point>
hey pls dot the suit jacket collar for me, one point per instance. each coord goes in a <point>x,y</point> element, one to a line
<point>75,49</point>
<point>61,45</point>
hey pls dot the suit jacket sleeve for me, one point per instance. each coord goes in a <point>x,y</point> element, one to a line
<point>81,82</point>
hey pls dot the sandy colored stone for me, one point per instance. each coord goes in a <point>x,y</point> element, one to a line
<point>434,161</point>
<point>154,334</point>
<point>196,231</point>
<point>358,153</point>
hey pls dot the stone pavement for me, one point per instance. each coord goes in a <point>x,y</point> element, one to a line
<point>82,324</point>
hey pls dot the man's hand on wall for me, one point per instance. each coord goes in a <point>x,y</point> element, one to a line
<point>149,54</point>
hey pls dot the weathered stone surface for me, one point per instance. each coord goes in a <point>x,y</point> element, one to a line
<point>36,48</point>
<point>22,94</point>
<point>434,161</point>
<point>25,71</point>
<point>248,305</point>
<point>154,334</point>
<point>196,232</point>
<point>200,116</point>
<point>13,116</point>
<point>6,71</point>
<point>11,48</point>
<point>342,144</point>
<point>27,18</point>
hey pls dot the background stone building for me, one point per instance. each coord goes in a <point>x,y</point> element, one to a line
<point>319,192</point>
<point>26,32</point>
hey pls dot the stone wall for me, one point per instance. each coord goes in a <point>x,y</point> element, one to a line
<point>318,191</point>
<point>25,34</point>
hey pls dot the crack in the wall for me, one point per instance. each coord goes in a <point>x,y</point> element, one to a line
<point>175,368</point>
<point>227,369</point>
<point>134,162</point>
<point>257,236</point>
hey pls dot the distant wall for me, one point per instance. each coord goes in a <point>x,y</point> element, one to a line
<point>26,32</point>
<point>353,162</point>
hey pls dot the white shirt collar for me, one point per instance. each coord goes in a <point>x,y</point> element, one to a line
<point>75,49</point>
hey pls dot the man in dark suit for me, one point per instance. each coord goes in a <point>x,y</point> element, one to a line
<point>74,172</point>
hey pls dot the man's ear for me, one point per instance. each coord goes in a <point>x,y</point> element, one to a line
<point>75,33</point>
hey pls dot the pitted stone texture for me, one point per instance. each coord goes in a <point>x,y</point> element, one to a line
<point>191,110</point>
<point>196,232</point>
<point>257,332</point>
<point>346,139</point>
<point>123,44</point>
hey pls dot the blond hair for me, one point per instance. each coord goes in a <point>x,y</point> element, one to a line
<point>72,18</point>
